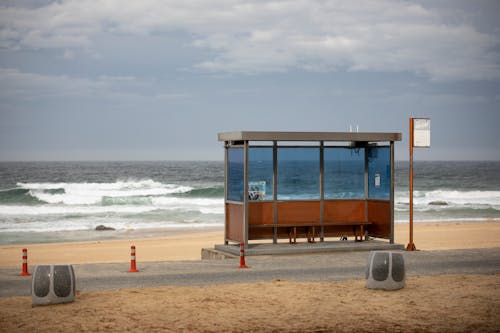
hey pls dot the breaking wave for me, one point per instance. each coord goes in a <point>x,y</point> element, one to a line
<point>137,204</point>
<point>449,199</point>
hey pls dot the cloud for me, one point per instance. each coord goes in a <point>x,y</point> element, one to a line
<point>21,85</point>
<point>109,92</point>
<point>272,36</point>
<point>18,85</point>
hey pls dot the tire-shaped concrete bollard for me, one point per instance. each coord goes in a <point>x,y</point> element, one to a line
<point>385,270</point>
<point>53,284</point>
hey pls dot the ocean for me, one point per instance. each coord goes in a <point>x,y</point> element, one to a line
<point>66,201</point>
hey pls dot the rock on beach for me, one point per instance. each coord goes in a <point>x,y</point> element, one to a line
<point>103,228</point>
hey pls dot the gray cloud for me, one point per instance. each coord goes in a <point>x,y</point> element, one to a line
<point>19,85</point>
<point>158,79</point>
<point>255,37</point>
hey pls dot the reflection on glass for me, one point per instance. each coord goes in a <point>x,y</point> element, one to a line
<point>298,173</point>
<point>260,174</point>
<point>235,174</point>
<point>379,172</point>
<point>344,173</point>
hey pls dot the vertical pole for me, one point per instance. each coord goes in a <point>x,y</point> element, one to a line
<point>391,239</point>
<point>322,189</point>
<point>245,195</point>
<point>366,185</point>
<point>411,246</point>
<point>226,222</point>
<point>275,192</point>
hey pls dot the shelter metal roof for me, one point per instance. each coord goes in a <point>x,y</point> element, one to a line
<point>309,136</point>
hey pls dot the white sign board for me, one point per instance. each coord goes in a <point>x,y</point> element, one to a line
<point>421,132</point>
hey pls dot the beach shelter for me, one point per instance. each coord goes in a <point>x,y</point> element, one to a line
<point>315,185</point>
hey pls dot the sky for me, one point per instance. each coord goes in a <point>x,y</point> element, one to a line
<point>157,80</point>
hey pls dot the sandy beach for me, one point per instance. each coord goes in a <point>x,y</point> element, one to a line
<point>443,303</point>
<point>448,303</point>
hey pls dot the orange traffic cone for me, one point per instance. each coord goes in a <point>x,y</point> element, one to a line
<point>133,268</point>
<point>242,256</point>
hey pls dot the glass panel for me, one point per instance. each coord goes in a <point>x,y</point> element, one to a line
<point>235,174</point>
<point>344,173</point>
<point>379,172</point>
<point>260,173</point>
<point>298,173</point>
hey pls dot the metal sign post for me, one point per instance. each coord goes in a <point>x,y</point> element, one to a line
<point>420,137</point>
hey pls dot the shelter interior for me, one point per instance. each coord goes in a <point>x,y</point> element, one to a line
<point>284,185</point>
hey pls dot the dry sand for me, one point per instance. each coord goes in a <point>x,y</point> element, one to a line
<point>448,303</point>
<point>178,247</point>
<point>450,235</point>
<point>427,236</point>
<point>451,303</point>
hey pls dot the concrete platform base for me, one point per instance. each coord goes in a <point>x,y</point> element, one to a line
<point>213,254</point>
<point>305,248</point>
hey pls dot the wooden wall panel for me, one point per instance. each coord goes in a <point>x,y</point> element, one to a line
<point>379,214</point>
<point>344,211</point>
<point>260,213</point>
<point>298,212</point>
<point>234,222</point>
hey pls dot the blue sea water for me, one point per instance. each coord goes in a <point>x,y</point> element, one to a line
<point>65,201</point>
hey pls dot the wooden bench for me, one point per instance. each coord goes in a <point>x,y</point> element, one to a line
<point>292,232</point>
<point>310,229</point>
<point>358,237</point>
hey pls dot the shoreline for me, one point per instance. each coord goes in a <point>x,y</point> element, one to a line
<point>90,236</point>
<point>187,245</point>
<point>153,233</point>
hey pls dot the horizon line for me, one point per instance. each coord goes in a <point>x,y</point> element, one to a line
<point>212,160</point>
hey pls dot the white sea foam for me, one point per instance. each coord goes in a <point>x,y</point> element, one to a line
<point>204,205</point>
<point>71,210</point>
<point>452,220</point>
<point>121,205</point>
<point>90,224</point>
<point>93,193</point>
<point>426,200</point>
<point>148,204</point>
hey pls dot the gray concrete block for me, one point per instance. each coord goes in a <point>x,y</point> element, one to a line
<point>212,254</point>
<point>52,284</point>
<point>385,270</point>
